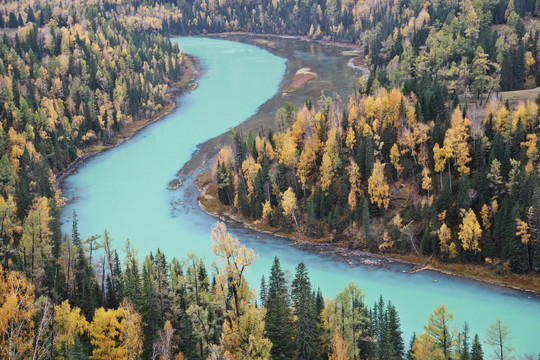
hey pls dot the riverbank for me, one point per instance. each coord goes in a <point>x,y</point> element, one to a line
<point>210,204</point>
<point>188,83</point>
<point>324,58</point>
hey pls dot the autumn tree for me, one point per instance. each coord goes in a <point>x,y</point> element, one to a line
<point>445,235</point>
<point>36,240</point>
<point>243,334</point>
<point>437,337</point>
<point>288,202</point>
<point>9,226</point>
<point>165,346</point>
<point>498,336</point>
<point>354,182</point>
<point>17,310</point>
<point>470,232</point>
<point>378,187</point>
<point>395,159</point>
<point>339,347</point>
<point>68,323</point>
<point>130,331</point>
<point>455,141</point>
<point>426,182</point>
<point>104,331</point>
<point>523,233</point>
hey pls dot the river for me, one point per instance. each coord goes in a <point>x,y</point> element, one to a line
<point>124,190</point>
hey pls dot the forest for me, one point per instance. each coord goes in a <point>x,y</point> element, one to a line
<point>176,309</point>
<point>376,174</point>
<point>399,168</point>
<point>436,165</point>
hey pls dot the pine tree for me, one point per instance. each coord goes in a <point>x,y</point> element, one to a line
<point>465,351</point>
<point>476,350</point>
<point>305,324</point>
<point>396,338</point>
<point>151,310</point>
<point>279,316</point>
<point>188,341</point>
<point>410,353</point>
<point>263,292</point>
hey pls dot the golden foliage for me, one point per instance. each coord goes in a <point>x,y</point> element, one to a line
<point>378,188</point>
<point>17,309</point>
<point>339,347</point>
<point>522,231</point>
<point>470,232</point>
<point>68,322</point>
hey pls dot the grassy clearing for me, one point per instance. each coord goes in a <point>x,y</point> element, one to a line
<point>305,71</point>
<point>350,53</point>
<point>513,97</point>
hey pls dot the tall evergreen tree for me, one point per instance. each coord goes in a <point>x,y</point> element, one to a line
<point>279,317</point>
<point>476,350</point>
<point>305,333</point>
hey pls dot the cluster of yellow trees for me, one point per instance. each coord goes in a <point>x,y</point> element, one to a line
<point>373,148</point>
<point>114,333</point>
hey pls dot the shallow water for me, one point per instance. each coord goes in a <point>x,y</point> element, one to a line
<point>124,191</point>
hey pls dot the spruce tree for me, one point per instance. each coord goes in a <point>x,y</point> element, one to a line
<point>410,353</point>
<point>151,310</point>
<point>188,341</point>
<point>476,350</point>
<point>278,321</point>
<point>465,352</point>
<point>263,292</point>
<point>394,324</point>
<point>305,324</point>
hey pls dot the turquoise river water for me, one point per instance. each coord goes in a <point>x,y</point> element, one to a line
<point>124,190</point>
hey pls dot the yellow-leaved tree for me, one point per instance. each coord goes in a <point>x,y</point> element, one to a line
<point>436,341</point>
<point>104,333</point>
<point>523,232</point>
<point>354,181</point>
<point>445,235</point>
<point>9,225</point>
<point>378,188</point>
<point>339,347</point>
<point>470,232</point>
<point>36,240</point>
<point>17,310</point>
<point>327,172</point>
<point>68,323</point>
<point>427,183</point>
<point>243,335</point>
<point>288,202</point>
<point>455,141</point>
<point>116,333</point>
<point>395,156</point>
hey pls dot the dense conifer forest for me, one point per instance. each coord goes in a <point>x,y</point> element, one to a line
<point>400,167</point>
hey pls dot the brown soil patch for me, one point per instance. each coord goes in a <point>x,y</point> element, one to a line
<point>299,81</point>
<point>358,61</point>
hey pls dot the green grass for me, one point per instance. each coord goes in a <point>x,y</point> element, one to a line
<point>514,97</point>
<point>350,53</point>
